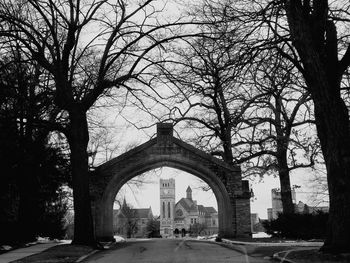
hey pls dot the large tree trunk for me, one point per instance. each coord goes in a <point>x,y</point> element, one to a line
<point>316,42</point>
<point>281,156</point>
<point>333,131</point>
<point>78,139</point>
<point>286,193</point>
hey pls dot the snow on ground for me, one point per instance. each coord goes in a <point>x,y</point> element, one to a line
<point>42,240</point>
<point>210,238</point>
<point>119,239</point>
<point>261,235</point>
<point>5,248</point>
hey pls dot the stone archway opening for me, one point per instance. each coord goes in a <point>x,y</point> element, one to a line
<point>231,192</point>
<point>138,205</point>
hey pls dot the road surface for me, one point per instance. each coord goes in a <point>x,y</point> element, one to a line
<point>171,250</point>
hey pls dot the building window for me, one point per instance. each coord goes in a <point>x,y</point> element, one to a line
<point>168,209</point>
<point>214,222</point>
<point>191,220</point>
<point>163,210</point>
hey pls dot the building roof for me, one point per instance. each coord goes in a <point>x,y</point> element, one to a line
<point>191,206</point>
<point>207,209</point>
<point>202,209</point>
<point>188,189</point>
<point>188,204</point>
<point>210,209</point>
<point>138,212</point>
<point>142,212</point>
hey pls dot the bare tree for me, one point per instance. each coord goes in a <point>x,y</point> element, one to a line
<point>277,133</point>
<point>314,36</point>
<point>246,113</point>
<point>317,33</point>
<point>88,48</point>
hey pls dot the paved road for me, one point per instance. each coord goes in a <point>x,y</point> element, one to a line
<point>171,250</point>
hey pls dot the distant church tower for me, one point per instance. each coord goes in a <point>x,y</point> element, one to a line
<point>167,206</point>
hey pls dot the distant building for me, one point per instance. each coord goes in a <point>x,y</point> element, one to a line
<point>272,213</point>
<point>185,216</point>
<point>133,220</point>
<point>304,208</point>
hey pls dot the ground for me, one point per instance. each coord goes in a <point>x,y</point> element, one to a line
<point>171,250</point>
<point>176,250</point>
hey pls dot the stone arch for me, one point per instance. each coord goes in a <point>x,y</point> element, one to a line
<point>232,194</point>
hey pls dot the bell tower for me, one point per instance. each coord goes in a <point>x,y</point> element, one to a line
<point>167,206</point>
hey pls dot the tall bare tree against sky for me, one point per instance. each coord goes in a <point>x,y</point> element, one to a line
<point>89,48</point>
<point>313,35</point>
<point>245,108</point>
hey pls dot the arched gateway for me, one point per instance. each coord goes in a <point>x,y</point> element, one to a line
<point>231,192</point>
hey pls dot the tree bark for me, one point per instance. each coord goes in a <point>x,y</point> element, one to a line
<point>283,136</point>
<point>286,192</point>
<point>78,140</point>
<point>316,42</point>
<point>333,131</point>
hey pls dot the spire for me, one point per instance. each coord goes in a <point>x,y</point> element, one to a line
<point>189,193</point>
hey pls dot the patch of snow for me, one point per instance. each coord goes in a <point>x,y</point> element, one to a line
<point>201,238</point>
<point>5,247</point>
<point>43,240</point>
<point>119,239</point>
<point>261,235</point>
<point>65,241</point>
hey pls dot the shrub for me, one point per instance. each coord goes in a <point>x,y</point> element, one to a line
<point>298,226</point>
